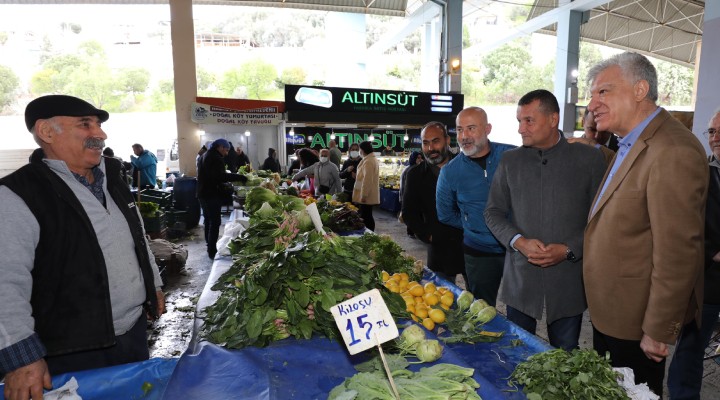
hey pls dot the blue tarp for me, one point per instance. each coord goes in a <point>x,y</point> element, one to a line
<point>309,369</point>
<point>127,381</point>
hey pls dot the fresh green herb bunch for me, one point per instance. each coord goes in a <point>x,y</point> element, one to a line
<point>390,257</point>
<point>559,375</point>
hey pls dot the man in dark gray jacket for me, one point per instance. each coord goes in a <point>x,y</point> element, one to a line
<point>538,205</point>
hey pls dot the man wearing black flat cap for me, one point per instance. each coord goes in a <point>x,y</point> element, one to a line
<point>214,189</point>
<point>76,269</point>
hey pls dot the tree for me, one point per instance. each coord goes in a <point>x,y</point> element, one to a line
<point>509,74</point>
<point>163,96</point>
<point>291,76</point>
<point>9,82</point>
<point>205,80</point>
<point>134,80</point>
<point>589,56</point>
<point>675,84</point>
<point>255,76</point>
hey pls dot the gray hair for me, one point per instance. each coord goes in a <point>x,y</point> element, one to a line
<point>53,123</point>
<point>635,67</point>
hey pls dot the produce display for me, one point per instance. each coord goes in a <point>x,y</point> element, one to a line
<point>390,170</point>
<point>440,381</point>
<point>560,375</point>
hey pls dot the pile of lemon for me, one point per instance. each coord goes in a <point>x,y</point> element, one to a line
<point>425,303</point>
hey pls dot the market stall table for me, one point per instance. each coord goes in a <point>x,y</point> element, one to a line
<point>309,369</point>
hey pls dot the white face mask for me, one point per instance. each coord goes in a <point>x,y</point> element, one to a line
<point>354,154</point>
<point>323,159</point>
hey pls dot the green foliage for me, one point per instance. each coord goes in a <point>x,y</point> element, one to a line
<point>205,80</point>
<point>589,56</point>
<point>3,38</point>
<point>291,76</point>
<point>255,76</point>
<point>559,375</point>
<point>134,80</point>
<point>163,96</point>
<point>675,84</point>
<point>509,74</point>
<point>9,82</point>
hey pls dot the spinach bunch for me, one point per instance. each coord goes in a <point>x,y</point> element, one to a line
<point>557,374</point>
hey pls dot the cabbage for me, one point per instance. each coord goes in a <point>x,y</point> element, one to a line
<point>256,197</point>
<point>305,223</point>
<point>477,306</point>
<point>411,336</point>
<point>266,211</point>
<point>292,203</point>
<point>428,350</point>
<point>464,300</point>
<point>486,314</point>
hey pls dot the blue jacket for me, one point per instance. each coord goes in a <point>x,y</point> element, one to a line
<point>461,196</point>
<point>146,165</point>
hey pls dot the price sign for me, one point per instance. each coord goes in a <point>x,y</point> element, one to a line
<point>364,321</point>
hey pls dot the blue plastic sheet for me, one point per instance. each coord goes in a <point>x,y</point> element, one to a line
<point>309,369</point>
<point>127,381</point>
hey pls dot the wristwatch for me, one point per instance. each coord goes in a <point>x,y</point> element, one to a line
<point>569,255</point>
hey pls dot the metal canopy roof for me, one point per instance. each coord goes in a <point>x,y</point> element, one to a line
<point>665,29</point>
<point>396,8</point>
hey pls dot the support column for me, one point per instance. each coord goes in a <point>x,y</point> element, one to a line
<point>453,30</point>
<point>182,32</point>
<point>567,61</point>
<point>708,86</point>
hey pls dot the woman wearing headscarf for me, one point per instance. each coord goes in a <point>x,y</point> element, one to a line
<point>366,192</point>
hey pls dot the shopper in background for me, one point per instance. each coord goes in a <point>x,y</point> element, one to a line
<point>242,160</point>
<point>540,219</point>
<point>388,151</point>
<point>686,369</point>
<point>444,255</point>
<point>605,141</point>
<point>462,192</point>
<point>232,160</point>
<point>295,165</point>
<point>198,159</point>
<point>643,251</point>
<point>213,189</point>
<point>326,175</point>
<point>271,162</point>
<point>335,153</point>
<point>415,158</point>
<point>366,192</point>
<point>145,167</point>
<point>78,276</point>
<point>348,167</point>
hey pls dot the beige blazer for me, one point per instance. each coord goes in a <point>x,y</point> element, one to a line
<point>367,181</point>
<point>643,248</point>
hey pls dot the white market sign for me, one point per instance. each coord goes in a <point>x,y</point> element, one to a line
<point>208,114</point>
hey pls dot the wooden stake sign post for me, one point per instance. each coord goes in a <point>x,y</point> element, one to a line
<point>364,322</point>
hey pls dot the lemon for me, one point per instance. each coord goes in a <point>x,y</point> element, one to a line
<point>404,275</point>
<point>437,315</point>
<point>385,276</point>
<point>419,300</point>
<point>421,312</point>
<point>430,287</point>
<point>431,299</point>
<point>428,324</point>
<point>410,308</point>
<point>417,290</point>
<point>447,298</point>
<point>445,307</point>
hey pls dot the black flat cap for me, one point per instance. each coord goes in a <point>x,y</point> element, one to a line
<point>60,105</point>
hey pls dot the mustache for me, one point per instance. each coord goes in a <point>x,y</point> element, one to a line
<point>93,143</point>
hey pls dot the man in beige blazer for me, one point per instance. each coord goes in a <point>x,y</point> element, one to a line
<point>643,244</point>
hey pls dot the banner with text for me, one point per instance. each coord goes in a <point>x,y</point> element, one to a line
<point>209,114</point>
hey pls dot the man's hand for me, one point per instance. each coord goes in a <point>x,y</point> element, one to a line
<point>653,349</point>
<point>161,302</point>
<point>583,140</point>
<point>28,382</point>
<point>716,257</point>
<point>553,254</point>
<point>528,246</point>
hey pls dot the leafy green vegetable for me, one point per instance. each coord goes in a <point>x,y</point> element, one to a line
<point>256,197</point>
<point>557,374</point>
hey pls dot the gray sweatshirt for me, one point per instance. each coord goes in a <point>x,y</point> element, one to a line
<point>19,236</point>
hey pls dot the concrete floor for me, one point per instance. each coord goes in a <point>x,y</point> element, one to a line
<point>170,335</point>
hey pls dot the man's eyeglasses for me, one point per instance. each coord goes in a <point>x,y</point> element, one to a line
<point>710,132</point>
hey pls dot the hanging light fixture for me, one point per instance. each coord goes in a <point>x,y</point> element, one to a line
<point>406,137</point>
<point>292,132</point>
<point>371,137</point>
<point>332,134</point>
<point>247,132</point>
